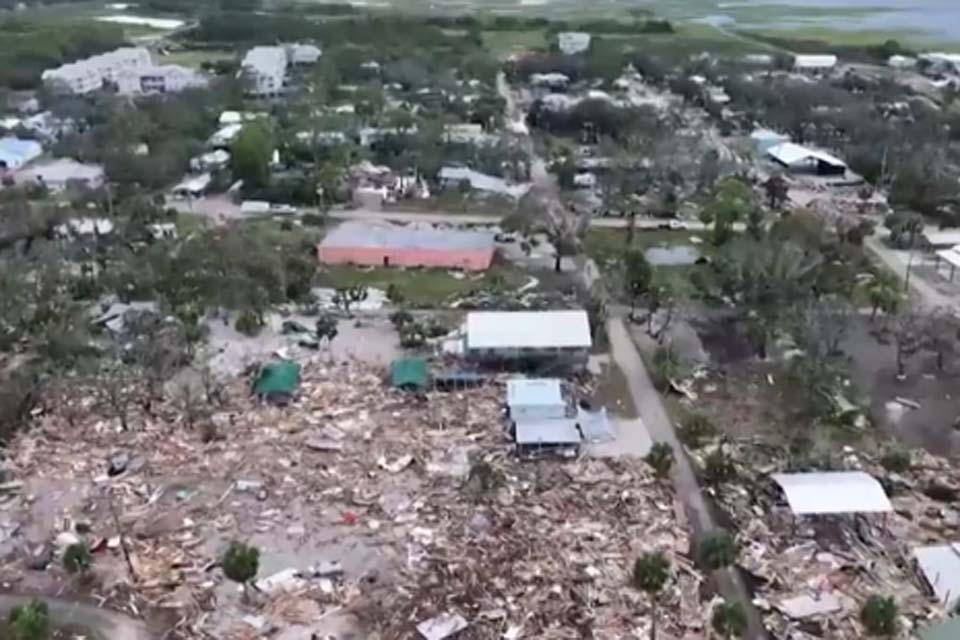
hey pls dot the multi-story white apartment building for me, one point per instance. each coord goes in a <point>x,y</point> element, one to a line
<point>89,75</point>
<point>169,78</point>
<point>264,70</point>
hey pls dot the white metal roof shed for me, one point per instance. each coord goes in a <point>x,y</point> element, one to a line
<point>792,154</point>
<point>528,329</point>
<point>941,568</point>
<point>832,492</point>
<point>547,432</point>
<point>815,61</point>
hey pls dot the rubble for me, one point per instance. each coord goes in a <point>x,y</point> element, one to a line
<point>379,530</point>
<point>813,574</point>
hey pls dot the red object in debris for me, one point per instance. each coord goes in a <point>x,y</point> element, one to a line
<point>350,518</point>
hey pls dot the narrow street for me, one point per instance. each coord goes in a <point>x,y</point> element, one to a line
<point>657,422</point>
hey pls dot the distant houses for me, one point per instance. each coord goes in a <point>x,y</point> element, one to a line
<point>62,173</point>
<point>129,69</point>
<point>265,68</point>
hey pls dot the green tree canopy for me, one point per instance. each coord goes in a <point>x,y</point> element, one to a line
<point>250,155</point>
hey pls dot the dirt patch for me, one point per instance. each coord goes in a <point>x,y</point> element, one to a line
<point>874,370</point>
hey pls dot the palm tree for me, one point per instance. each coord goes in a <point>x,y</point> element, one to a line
<point>650,574</point>
<point>729,620</point>
<point>718,550</point>
<point>661,459</point>
<point>879,616</point>
<point>884,293</point>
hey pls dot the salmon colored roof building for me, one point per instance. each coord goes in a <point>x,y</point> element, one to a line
<point>387,245</point>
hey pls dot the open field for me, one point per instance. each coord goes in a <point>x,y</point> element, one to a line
<point>503,43</point>
<point>196,58</point>
<point>420,287</point>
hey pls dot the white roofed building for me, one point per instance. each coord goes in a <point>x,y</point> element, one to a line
<point>90,74</point>
<point>168,78</point>
<point>548,337</point>
<point>265,70</point>
<point>833,493</point>
<point>805,160</point>
<point>571,42</point>
<point>814,63</point>
<point>303,53</point>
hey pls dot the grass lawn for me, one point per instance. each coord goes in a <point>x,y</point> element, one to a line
<point>607,245</point>
<point>839,37</point>
<point>503,43</point>
<point>187,223</point>
<point>196,57</point>
<point>420,287</point>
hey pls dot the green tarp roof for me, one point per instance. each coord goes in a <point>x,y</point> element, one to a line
<point>946,630</point>
<point>409,373</point>
<point>278,378</point>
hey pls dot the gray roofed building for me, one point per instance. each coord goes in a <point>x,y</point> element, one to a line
<point>547,433</point>
<point>58,174</point>
<point>453,176</point>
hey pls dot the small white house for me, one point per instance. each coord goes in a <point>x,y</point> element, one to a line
<point>572,42</point>
<point>814,63</point>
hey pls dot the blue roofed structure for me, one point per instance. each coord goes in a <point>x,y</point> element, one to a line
<point>15,152</point>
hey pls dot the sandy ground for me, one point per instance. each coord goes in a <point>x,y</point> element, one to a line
<point>366,338</point>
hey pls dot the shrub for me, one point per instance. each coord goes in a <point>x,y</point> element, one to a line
<point>879,616</point>
<point>718,550</point>
<point>312,220</point>
<point>249,323</point>
<point>718,468</point>
<point>896,460</point>
<point>240,563</point>
<point>29,622</point>
<point>650,573</point>
<point>76,558</point>
<point>729,620</point>
<point>696,428</point>
<point>661,459</point>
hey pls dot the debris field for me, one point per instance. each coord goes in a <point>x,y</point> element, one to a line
<point>392,515</point>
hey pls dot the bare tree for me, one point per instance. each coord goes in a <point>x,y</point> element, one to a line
<point>909,338</point>
<point>941,333</point>
<point>116,390</point>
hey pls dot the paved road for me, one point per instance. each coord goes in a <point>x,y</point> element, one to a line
<point>928,295</point>
<point>658,424</point>
<point>108,625</point>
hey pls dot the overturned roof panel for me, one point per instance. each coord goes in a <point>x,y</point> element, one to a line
<point>833,492</point>
<point>941,568</point>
